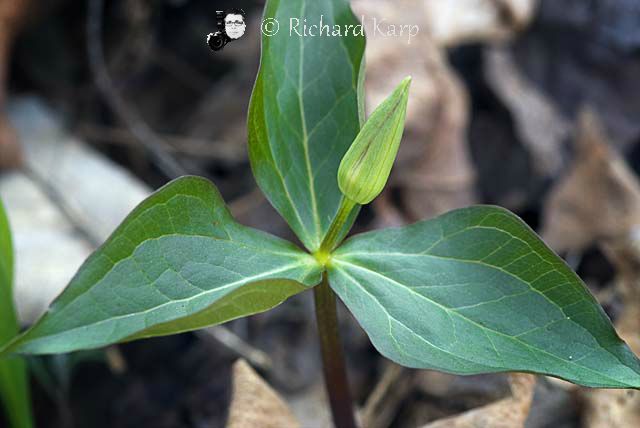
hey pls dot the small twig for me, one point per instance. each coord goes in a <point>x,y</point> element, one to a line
<point>54,194</point>
<point>182,145</point>
<point>181,69</point>
<point>383,402</point>
<point>221,101</point>
<point>256,357</point>
<point>145,136</point>
<point>246,203</point>
<point>115,360</point>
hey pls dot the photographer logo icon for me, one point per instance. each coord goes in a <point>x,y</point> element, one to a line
<point>231,25</point>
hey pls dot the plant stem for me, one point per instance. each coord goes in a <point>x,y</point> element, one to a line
<point>331,240</point>
<point>335,374</point>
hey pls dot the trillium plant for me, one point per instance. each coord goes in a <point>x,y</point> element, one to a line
<point>472,291</point>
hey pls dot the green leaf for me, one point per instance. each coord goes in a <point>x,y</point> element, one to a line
<point>476,291</point>
<point>304,112</point>
<point>175,260</point>
<point>248,300</point>
<point>14,381</point>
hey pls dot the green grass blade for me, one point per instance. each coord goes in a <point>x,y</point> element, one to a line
<point>14,381</point>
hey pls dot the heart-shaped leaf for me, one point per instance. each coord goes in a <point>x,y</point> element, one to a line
<point>303,106</point>
<point>476,291</point>
<point>178,262</point>
<point>14,383</point>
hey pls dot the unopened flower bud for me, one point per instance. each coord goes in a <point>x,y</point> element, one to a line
<point>366,166</point>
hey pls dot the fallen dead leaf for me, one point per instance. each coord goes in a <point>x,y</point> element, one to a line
<point>509,412</point>
<point>598,200</point>
<point>12,14</point>
<point>255,404</point>
<point>10,151</point>
<point>539,124</point>
<point>454,22</point>
<point>617,408</point>
<point>434,171</point>
<point>387,396</point>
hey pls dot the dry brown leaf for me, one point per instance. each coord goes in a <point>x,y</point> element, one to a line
<point>12,13</point>
<point>434,171</point>
<point>598,202</point>
<point>10,152</point>
<point>612,409</point>
<point>455,22</point>
<point>599,198</point>
<point>538,123</point>
<point>509,412</point>
<point>441,177</point>
<point>255,404</point>
<point>617,408</point>
<point>387,213</point>
<point>608,408</point>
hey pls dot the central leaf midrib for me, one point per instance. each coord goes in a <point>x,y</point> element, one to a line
<point>477,262</point>
<point>305,141</point>
<point>446,351</point>
<point>296,255</point>
<point>274,160</point>
<point>241,282</point>
<point>145,334</point>
<point>481,263</point>
<point>426,253</point>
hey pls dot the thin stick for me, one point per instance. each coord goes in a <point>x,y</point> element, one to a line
<point>335,374</point>
<point>236,344</point>
<point>146,137</point>
<point>225,151</point>
<point>387,396</point>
